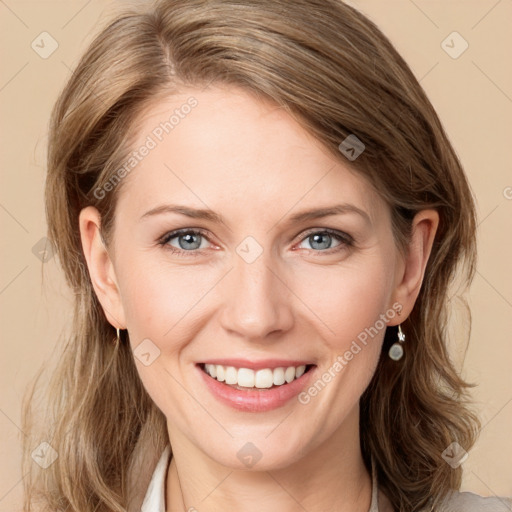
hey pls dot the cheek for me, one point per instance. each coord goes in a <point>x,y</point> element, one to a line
<point>159,302</point>
<point>347,311</point>
<point>159,299</point>
<point>347,300</point>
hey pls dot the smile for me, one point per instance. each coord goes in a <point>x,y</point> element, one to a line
<point>248,378</point>
<point>255,390</point>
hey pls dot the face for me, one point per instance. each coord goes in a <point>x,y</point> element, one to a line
<point>257,289</point>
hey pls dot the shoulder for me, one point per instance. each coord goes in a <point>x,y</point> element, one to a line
<point>469,502</point>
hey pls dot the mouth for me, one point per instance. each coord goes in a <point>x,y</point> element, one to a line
<point>249,379</point>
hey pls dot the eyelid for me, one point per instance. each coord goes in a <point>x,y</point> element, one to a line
<point>169,235</point>
<point>175,232</point>
<point>336,232</point>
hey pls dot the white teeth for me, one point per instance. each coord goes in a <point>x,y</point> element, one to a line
<point>264,378</point>
<point>278,376</point>
<point>231,375</point>
<point>247,378</point>
<point>212,370</point>
<point>289,374</point>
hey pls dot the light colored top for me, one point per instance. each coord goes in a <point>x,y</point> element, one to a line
<point>154,501</point>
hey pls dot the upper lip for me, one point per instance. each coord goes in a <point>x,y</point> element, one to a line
<point>258,365</point>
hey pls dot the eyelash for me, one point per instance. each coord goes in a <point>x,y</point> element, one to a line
<point>345,239</point>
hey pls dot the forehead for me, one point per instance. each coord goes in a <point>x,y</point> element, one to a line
<point>225,149</point>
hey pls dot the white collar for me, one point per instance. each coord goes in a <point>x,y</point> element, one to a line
<point>154,500</point>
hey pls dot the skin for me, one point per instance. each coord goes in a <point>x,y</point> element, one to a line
<point>251,162</point>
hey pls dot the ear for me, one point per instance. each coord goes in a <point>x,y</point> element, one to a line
<point>101,268</point>
<point>411,270</point>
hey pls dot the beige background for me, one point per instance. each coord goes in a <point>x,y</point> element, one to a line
<point>472,94</point>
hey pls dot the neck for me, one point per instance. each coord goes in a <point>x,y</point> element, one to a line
<point>330,476</point>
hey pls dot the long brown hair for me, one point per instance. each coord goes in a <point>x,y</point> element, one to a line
<point>338,75</point>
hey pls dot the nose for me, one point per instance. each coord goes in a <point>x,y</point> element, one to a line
<point>256,299</point>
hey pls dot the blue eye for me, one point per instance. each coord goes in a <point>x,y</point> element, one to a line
<point>320,237</point>
<point>189,245</point>
<point>189,241</point>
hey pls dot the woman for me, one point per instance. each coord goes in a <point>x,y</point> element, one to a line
<point>257,368</point>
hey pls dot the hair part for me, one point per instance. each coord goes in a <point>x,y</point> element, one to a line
<point>333,70</point>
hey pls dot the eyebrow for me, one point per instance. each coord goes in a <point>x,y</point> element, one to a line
<point>210,215</point>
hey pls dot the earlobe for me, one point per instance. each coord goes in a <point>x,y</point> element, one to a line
<point>409,281</point>
<point>100,266</point>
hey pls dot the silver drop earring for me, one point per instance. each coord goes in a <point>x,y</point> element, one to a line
<point>396,351</point>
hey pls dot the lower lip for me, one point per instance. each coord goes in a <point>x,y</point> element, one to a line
<point>256,400</point>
